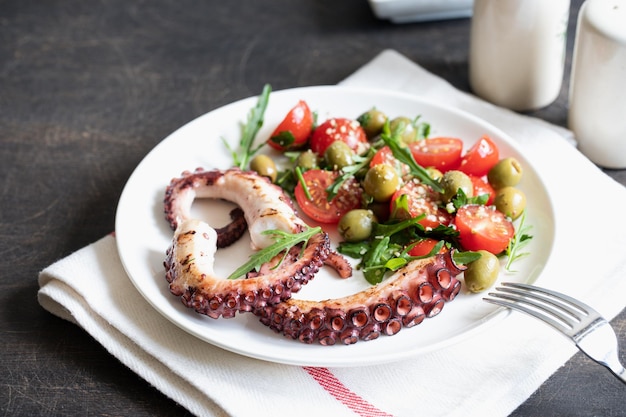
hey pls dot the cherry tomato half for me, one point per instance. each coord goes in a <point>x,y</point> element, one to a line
<point>424,247</point>
<point>480,158</point>
<point>442,153</point>
<point>483,187</point>
<point>294,130</point>
<point>421,199</point>
<point>318,207</point>
<point>337,128</point>
<point>483,227</point>
<point>385,156</point>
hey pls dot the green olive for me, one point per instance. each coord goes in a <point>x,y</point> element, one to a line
<point>409,132</point>
<point>381,181</point>
<point>356,225</point>
<point>454,180</point>
<point>339,155</point>
<point>510,201</point>
<point>506,173</point>
<point>264,165</point>
<point>434,173</point>
<point>307,160</point>
<point>482,273</point>
<point>372,122</point>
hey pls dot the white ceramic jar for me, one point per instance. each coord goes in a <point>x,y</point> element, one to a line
<point>597,112</point>
<point>517,51</point>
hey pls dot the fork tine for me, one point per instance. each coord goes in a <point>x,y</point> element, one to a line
<point>502,300</point>
<point>563,298</point>
<point>546,302</point>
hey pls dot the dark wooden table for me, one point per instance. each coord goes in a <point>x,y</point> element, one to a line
<point>87,88</point>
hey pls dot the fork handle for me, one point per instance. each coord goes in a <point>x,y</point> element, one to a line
<point>619,372</point>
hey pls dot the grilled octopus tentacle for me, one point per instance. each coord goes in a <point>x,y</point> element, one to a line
<point>417,291</point>
<point>190,258</point>
<point>265,205</point>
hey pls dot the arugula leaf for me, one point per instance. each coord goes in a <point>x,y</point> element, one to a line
<point>283,241</point>
<point>423,129</point>
<point>387,249</point>
<point>464,258</point>
<point>283,139</point>
<point>520,239</point>
<point>403,154</point>
<point>374,260</point>
<point>461,199</point>
<point>361,166</point>
<point>249,130</point>
<point>302,181</point>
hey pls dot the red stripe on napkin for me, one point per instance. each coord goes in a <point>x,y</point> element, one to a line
<point>337,389</point>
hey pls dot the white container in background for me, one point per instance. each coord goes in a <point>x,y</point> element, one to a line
<point>517,51</point>
<point>597,112</point>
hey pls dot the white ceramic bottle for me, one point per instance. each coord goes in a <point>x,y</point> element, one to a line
<point>517,51</point>
<point>597,112</point>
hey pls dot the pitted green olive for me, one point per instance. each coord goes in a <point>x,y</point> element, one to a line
<point>434,173</point>
<point>372,122</point>
<point>264,165</point>
<point>454,180</point>
<point>307,160</point>
<point>409,132</point>
<point>482,273</point>
<point>510,201</point>
<point>338,155</point>
<point>506,173</point>
<point>356,225</point>
<point>381,181</point>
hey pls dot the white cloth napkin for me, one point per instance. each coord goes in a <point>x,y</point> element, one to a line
<point>490,373</point>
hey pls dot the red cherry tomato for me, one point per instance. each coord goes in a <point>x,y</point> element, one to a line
<point>483,187</point>
<point>480,158</point>
<point>424,247</point>
<point>440,152</point>
<point>483,227</point>
<point>294,130</point>
<point>421,199</point>
<point>385,156</point>
<point>337,128</point>
<point>318,207</point>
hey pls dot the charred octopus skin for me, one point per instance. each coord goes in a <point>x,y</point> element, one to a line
<point>190,258</point>
<point>405,299</point>
<point>265,205</point>
<point>189,270</point>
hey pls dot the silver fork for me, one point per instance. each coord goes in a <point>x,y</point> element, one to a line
<point>592,334</point>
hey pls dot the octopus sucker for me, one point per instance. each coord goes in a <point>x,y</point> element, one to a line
<point>189,261</point>
<point>189,270</point>
<point>403,300</point>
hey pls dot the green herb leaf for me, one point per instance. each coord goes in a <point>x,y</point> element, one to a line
<point>394,264</point>
<point>361,166</point>
<point>423,130</point>
<point>402,153</point>
<point>464,258</point>
<point>283,241</point>
<point>302,181</point>
<point>461,199</point>
<point>520,239</point>
<point>242,156</point>
<point>283,139</point>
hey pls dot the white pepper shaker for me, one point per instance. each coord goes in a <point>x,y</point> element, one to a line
<point>597,112</point>
<point>517,51</point>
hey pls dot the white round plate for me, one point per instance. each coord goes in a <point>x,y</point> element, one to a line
<point>143,234</point>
